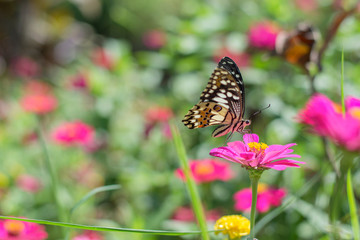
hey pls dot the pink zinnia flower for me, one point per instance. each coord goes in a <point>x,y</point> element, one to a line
<point>25,67</point>
<point>241,59</point>
<point>39,103</point>
<point>186,214</point>
<point>263,35</point>
<point>38,98</point>
<point>267,197</point>
<point>28,183</point>
<point>73,133</point>
<point>103,59</point>
<point>161,116</point>
<point>88,235</point>
<point>19,230</point>
<point>255,155</point>
<point>326,119</point>
<point>207,170</point>
<point>154,39</point>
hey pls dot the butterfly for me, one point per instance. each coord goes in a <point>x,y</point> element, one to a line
<point>222,102</point>
<point>297,46</point>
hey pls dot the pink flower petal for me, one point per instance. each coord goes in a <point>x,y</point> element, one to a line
<point>248,138</point>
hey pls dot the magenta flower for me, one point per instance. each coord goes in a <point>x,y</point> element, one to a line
<point>186,214</point>
<point>207,170</point>
<point>326,119</point>
<point>263,35</point>
<point>255,155</point>
<point>18,230</point>
<point>74,133</point>
<point>154,39</point>
<point>28,183</point>
<point>267,197</point>
<point>88,235</point>
<point>25,67</point>
<point>79,81</point>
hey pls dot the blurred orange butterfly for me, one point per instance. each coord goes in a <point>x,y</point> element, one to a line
<point>297,46</point>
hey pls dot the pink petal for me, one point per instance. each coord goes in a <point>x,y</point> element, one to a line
<point>283,164</point>
<point>238,146</point>
<point>243,200</point>
<point>263,202</point>
<point>248,138</point>
<point>247,155</point>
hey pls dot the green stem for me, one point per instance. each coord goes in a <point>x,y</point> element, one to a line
<point>254,177</point>
<point>53,177</point>
<point>194,194</point>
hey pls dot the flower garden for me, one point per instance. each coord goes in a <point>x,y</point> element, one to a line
<point>103,135</point>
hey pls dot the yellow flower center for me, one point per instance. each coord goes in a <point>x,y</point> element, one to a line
<point>204,168</point>
<point>14,228</point>
<point>257,147</point>
<point>355,112</point>
<point>337,107</point>
<point>233,225</point>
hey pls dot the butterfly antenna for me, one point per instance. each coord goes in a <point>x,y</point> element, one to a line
<point>257,112</point>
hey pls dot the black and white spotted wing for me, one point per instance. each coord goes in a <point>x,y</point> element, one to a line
<point>222,101</point>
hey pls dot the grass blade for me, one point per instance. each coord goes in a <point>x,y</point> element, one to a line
<point>194,194</point>
<point>342,82</point>
<point>352,207</point>
<point>106,229</point>
<point>92,193</point>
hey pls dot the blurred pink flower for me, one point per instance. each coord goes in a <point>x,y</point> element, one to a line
<point>103,59</point>
<point>79,81</point>
<point>154,39</point>
<point>326,119</point>
<point>207,170</point>
<point>19,230</point>
<point>88,235</point>
<point>241,59</point>
<point>306,5</point>
<point>186,214</point>
<point>38,98</point>
<point>25,67</point>
<point>28,183</point>
<point>73,133</point>
<point>263,35</point>
<point>158,115</point>
<point>39,103</point>
<point>255,155</point>
<point>267,197</point>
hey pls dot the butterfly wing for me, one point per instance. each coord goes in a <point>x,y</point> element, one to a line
<point>297,46</point>
<point>221,102</point>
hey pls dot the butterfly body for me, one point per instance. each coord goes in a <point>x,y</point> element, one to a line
<point>221,103</point>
